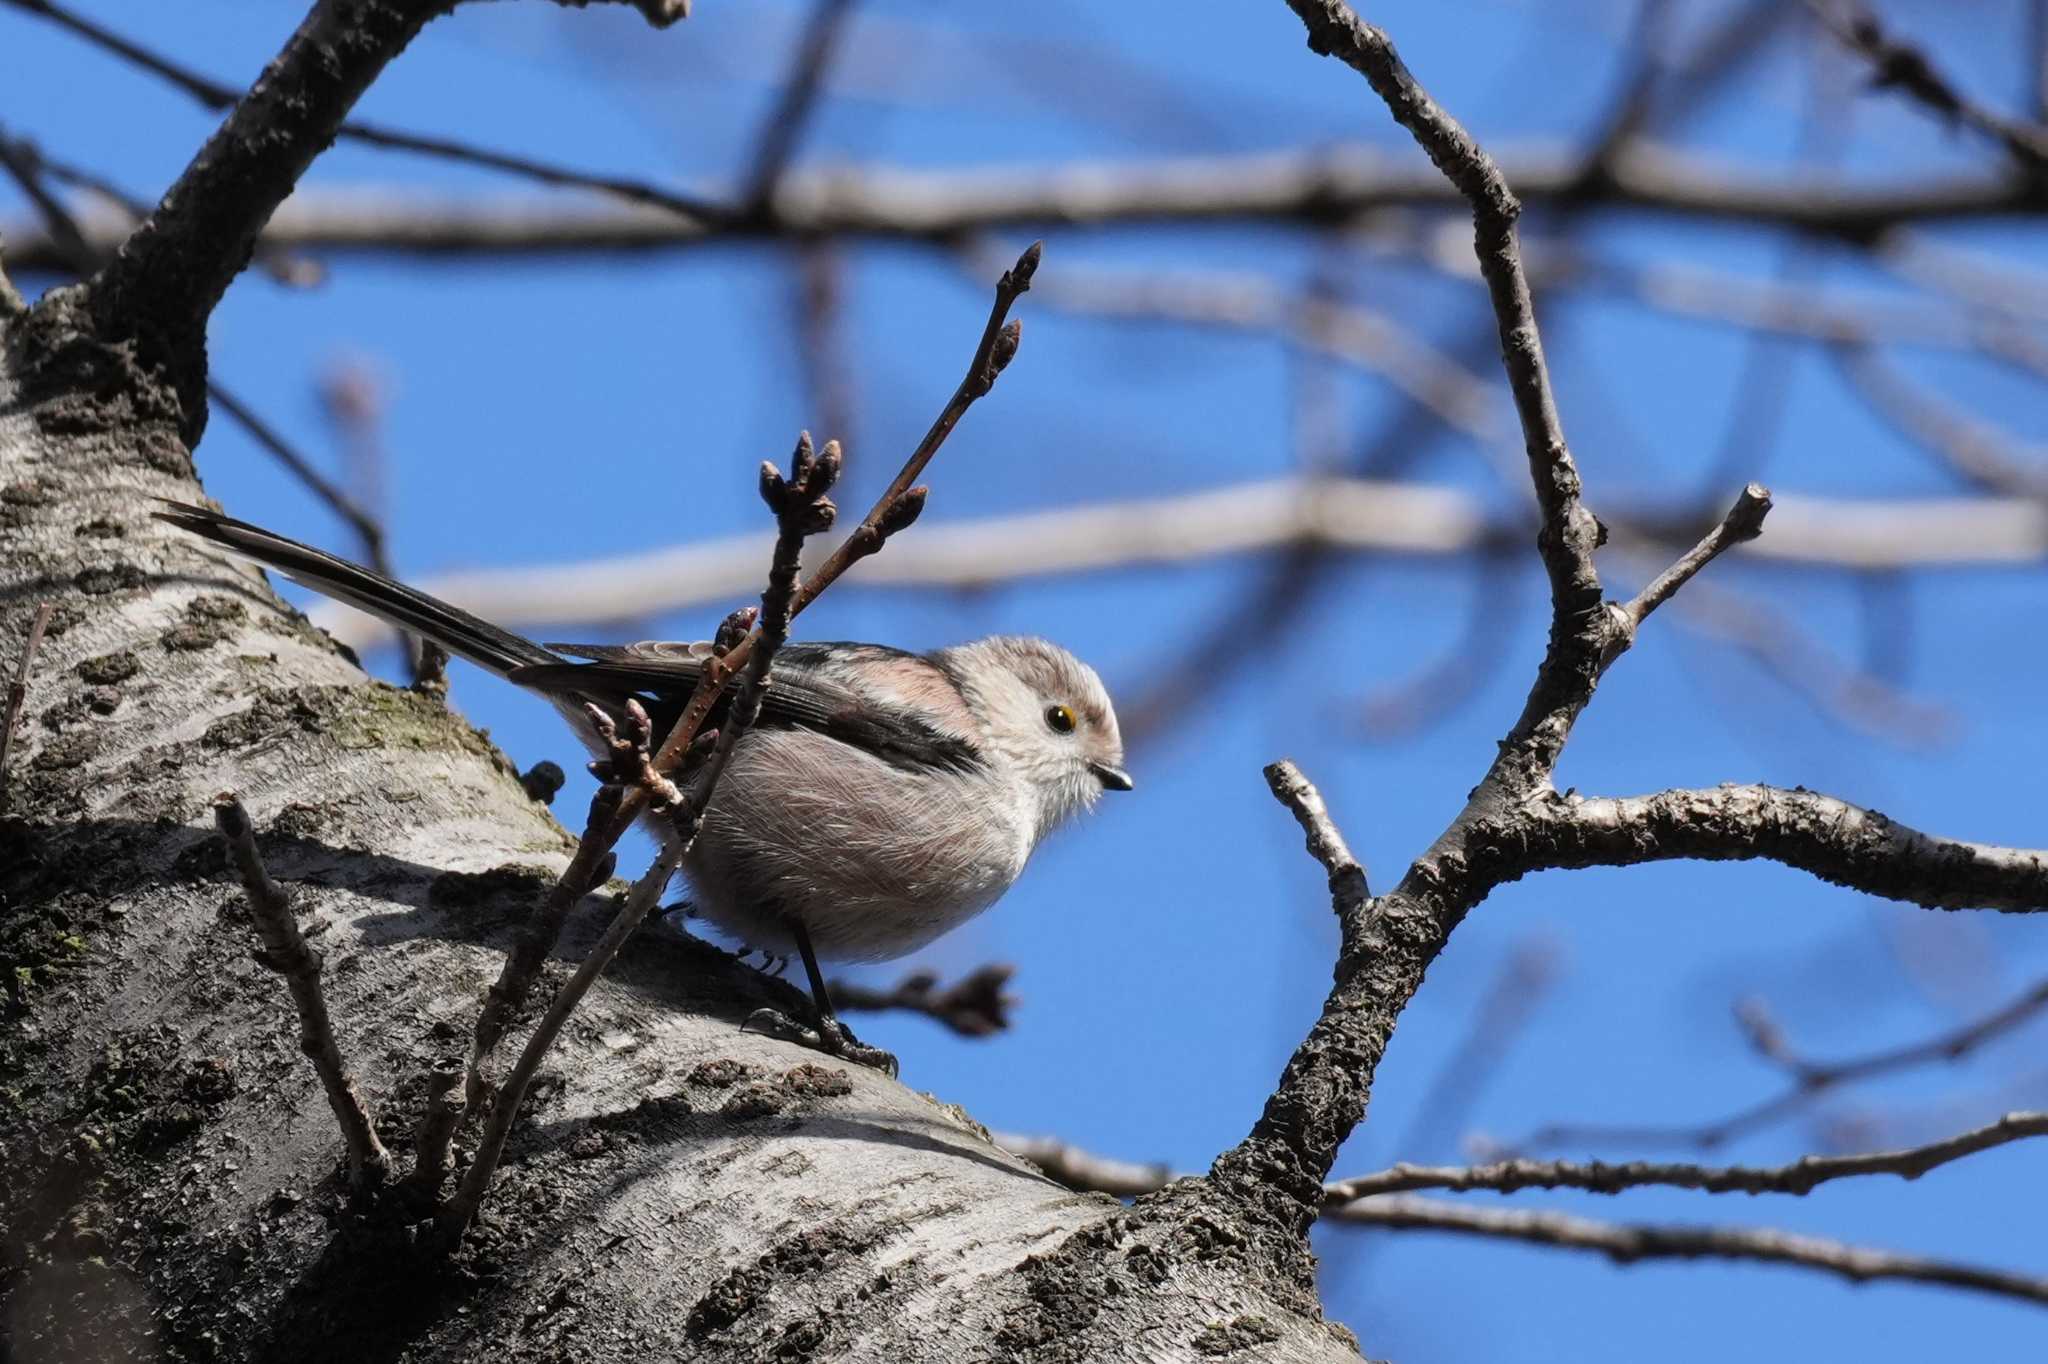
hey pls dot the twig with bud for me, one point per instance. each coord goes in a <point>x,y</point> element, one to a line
<point>638,780</point>
<point>976,1005</point>
<point>802,509</point>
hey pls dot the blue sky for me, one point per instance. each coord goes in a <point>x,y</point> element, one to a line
<point>1171,950</point>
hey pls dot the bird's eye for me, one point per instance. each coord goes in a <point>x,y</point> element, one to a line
<point>1061,718</point>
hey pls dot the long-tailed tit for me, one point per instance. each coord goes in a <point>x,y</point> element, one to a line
<point>881,799</point>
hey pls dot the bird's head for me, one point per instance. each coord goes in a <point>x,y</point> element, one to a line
<point>1049,715</point>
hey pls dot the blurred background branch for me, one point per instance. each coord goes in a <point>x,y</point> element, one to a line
<point>1269,455</point>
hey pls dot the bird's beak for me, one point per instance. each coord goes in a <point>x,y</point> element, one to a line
<point>1112,778</point>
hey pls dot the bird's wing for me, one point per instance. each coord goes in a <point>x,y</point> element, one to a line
<point>811,687</point>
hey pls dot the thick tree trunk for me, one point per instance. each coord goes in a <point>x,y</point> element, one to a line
<point>171,1184</point>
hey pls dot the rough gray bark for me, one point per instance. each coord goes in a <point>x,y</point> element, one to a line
<point>171,1186</point>
<point>172,1182</point>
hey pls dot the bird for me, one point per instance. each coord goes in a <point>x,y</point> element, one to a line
<point>882,798</point>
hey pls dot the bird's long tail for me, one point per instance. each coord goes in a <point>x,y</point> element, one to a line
<point>454,629</point>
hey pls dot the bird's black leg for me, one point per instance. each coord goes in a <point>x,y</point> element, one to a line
<point>830,1036</point>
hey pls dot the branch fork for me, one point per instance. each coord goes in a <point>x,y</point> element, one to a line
<point>1514,822</point>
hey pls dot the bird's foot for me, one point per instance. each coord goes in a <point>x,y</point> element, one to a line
<point>830,1036</point>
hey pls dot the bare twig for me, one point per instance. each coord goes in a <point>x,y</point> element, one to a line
<point>590,867</point>
<point>17,689</point>
<point>174,267</point>
<point>1569,533</point>
<point>1084,1171</point>
<point>999,341</point>
<point>1243,301</point>
<point>1303,188</point>
<point>895,510</point>
<point>1627,1244</point>
<point>1982,454</point>
<point>1834,840</point>
<point>976,1005</point>
<point>331,494</point>
<point>1744,521</point>
<point>24,165</point>
<point>1810,1079</point>
<point>1499,835</point>
<point>1348,1199</point>
<point>1348,890</point>
<point>612,813</point>
<point>12,304</point>
<point>802,509</point>
<point>1799,1177</point>
<point>1630,1244</point>
<point>434,1146</point>
<point>821,337</point>
<point>285,952</point>
<point>1317,1101</point>
<point>220,97</point>
<point>777,141</point>
<point>1898,65</point>
<point>1351,515</point>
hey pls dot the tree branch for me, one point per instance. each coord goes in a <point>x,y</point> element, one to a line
<point>12,304</point>
<point>1800,1177</point>
<point>1307,189</point>
<point>1810,1079</point>
<point>162,284</point>
<point>1084,1171</point>
<point>1978,452</point>
<point>1388,944</point>
<point>1353,1200</point>
<point>1568,532</point>
<point>1901,66</point>
<point>976,1005</point>
<point>1322,1092</point>
<point>1840,843</point>
<point>1348,890</point>
<point>591,867</point>
<point>1626,1244</point>
<point>777,141</point>
<point>1744,521</point>
<point>1246,301</point>
<point>331,494</point>
<point>17,689</point>
<point>434,1144</point>
<point>285,952</point>
<point>802,509</point>
<point>219,97</point>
